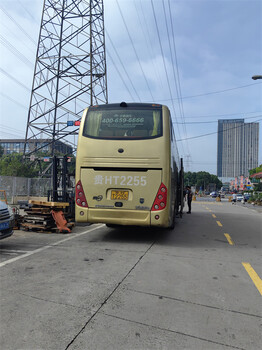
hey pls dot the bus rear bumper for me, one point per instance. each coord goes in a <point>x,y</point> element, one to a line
<point>120,217</point>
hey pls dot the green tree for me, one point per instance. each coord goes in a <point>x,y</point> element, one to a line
<point>1,151</point>
<point>201,179</point>
<point>255,170</point>
<point>14,165</point>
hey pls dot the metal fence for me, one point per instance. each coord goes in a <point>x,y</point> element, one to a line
<point>19,187</point>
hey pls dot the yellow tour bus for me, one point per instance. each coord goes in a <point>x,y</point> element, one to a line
<point>128,171</point>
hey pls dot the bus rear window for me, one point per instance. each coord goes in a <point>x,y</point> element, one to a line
<point>123,124</point>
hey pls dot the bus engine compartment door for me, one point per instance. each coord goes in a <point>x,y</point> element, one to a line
<point>134,189</point>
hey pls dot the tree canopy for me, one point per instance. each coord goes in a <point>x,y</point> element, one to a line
<point>255,170</point>
<point>201,180</point>
<point>15,165</point>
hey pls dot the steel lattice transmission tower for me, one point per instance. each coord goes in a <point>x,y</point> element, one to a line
<point>70,70</point>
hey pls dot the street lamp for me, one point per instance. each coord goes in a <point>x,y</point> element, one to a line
<point>255,77</point>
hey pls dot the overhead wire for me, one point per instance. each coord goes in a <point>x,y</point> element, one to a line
<point>219,115</point>
<point>146,34</point>
<point>16,52</point>
<point>25,9</point>
<point>133,46</point>
<point>175,76</point>
<point>215,121</point>
<point>216,132</point>
<point>14,101</point>
<point>179,96</point>
<point>11,129</point>
<point>18,25</point>
<point>215,92</point>
<point>119,73</point>
<point>176,60</point>
<point>14,79</point>
<point>119,58</point>
<point>164,64</point>
<point>11,33</point>
<point>172,60</point>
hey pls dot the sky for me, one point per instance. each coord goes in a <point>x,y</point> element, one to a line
<point>195,56</point>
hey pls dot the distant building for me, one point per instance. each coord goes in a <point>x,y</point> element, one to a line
<point>17,146</point>
<point>237,147</point>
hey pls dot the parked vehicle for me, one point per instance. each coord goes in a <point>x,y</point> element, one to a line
<point>7,220</point>
<point>240,197</point>
<point>119,180</point>
<point>246,197</point>
<point>213,194</point>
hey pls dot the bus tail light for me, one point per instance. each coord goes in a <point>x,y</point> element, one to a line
<point>80,195</point>
<point>160,200</point>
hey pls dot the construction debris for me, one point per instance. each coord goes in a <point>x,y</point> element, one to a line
<point>46,217</point>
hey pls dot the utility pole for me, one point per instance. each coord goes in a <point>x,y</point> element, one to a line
<point>70,71</point>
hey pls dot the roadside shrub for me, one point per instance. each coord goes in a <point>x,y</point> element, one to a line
<point>256,198</point>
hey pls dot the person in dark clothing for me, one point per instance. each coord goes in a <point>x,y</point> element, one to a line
<point>189,198</point>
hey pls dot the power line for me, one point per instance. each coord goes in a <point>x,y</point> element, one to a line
<point>14,101</point>
<point>16,52</point>
<point>25,9</point>
<point>162,54</point>
<point>219,115</point>
<point>215,121</point>
<point>176,76</point>
<point>213,92</point>
<point>14,79</point>
<point>132,43</point>
<point>12,129</point>
<point>147,39</point>
<point>216,132</point>
<point>111,42</point>
<point>18,25</point>
<point>119,73</point>
<point>164,64</point>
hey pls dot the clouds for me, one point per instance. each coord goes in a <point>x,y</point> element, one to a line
<point>218,47</point>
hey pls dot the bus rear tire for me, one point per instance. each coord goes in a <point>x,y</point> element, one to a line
<point>172,226</point>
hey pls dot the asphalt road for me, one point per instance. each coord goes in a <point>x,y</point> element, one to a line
<point>196,287</point>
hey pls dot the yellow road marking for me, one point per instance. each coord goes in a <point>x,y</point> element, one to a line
<point>207,208</point>
<point>229,239</point>
<point>214,216</point>
<point>219,223</point>
<point>254,276</point>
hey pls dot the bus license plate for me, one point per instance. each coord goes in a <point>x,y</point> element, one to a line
<point>119,195</point>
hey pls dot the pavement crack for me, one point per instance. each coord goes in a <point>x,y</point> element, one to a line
<point>193,303</point>
<point>175,332</point>
<point>109,296</point>
<point>52,301</point>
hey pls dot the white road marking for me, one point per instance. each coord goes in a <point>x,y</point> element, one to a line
<point>14,251</point>
<point>47,247</point>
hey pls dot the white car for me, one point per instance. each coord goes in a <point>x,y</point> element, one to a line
<point>240,197</point>
<point>7,220</point>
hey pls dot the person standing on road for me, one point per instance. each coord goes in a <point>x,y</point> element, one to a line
<point>234,198</point>
<point>189,198</point>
